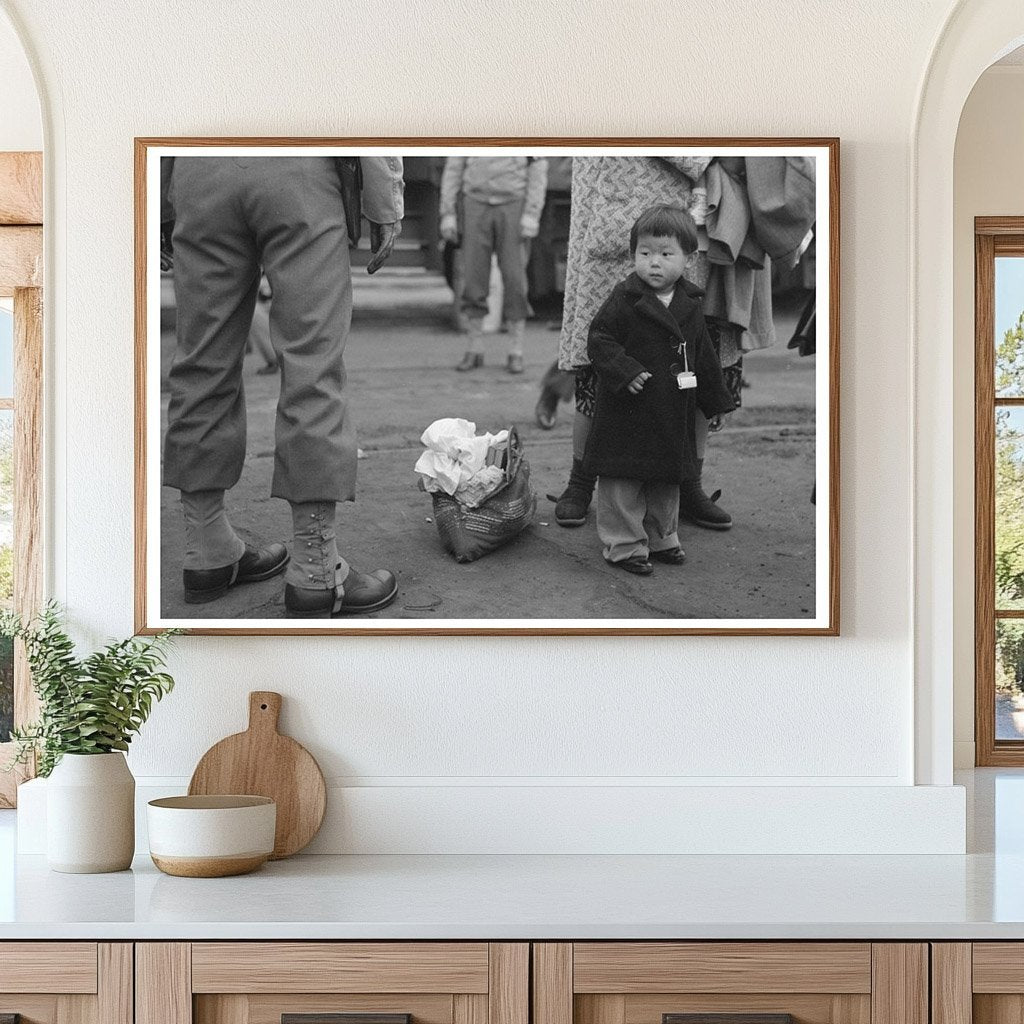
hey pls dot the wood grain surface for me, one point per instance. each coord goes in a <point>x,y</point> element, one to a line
<point>951,983</point>
<point>262,762</point>
<point>115,983</point>
<point>899,991</point>
<point>163,983</point>
<point>21,188</point>
<point>633,967</point>
<point>805,1008</point>
<point>64,967</point>
<point>271,1008</point>
<point>508,992</point>
<point>998,967</point>
<point>21,258</point>
<point>552,983</point>
<point>304,967</point>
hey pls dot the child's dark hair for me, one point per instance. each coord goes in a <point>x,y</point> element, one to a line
<point>665,222</point>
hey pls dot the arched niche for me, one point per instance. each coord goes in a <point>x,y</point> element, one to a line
<point>976,34</point>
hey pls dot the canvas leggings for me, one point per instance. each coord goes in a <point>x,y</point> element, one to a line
<point>493,229</point>
<point>232,215</point>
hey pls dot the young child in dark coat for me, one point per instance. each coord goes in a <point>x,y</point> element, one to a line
<point>655,366</point>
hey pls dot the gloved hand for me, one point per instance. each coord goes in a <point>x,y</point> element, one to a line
<point>450,228</point>
<point>382,241</point>
<point>528,227</point>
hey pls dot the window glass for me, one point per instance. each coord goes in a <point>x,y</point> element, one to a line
<point>1009,512</point>
<point>1009,679</point>
<point>1009,327</point>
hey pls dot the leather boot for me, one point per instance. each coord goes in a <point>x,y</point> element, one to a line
<point>572,504</point>
<point>320,583</point>
<point>202,585</point>
<point>700,508</point>
<point>216,558</point>
<point>359,592</point>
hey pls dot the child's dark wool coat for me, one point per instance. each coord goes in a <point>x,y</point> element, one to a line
<point>651,436</point>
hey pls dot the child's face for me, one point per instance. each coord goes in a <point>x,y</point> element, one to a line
<point>659,261</point>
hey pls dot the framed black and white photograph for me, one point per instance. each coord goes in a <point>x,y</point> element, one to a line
<point>455,386</point>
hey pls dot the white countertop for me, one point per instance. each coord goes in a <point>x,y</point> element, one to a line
<point>976,896</point>
<point>516,897</point>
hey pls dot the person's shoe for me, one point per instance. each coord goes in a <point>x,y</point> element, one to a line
<point>702,509</point>
<point>670,556</point>
<point>636,565</point>
<point>361,592</point>
<point>546,411</point>
<point>471,361</point>
<point>698,507</point>
<point>514,363</point>
<point>202,585</point>
<point>572,504</point>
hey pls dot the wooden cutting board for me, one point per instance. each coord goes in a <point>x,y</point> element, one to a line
<point>262,762</point>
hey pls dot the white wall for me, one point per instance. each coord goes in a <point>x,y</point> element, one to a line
<point>21,127</point>
<point>987,182</point>
<point>430,716</point>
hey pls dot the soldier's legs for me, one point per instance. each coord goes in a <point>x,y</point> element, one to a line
<point>295,208</point>
<point>216,275</point>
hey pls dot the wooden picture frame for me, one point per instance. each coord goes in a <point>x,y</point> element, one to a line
<point>815,565</point>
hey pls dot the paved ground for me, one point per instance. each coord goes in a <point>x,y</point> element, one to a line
<point>400,358</point>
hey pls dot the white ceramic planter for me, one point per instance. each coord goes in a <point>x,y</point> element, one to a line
<point>90,814</point>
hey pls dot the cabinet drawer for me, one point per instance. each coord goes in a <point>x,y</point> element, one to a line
<point>64,967</point>
<point>730,983</point>
<point>749,967</point>
<point>340,967</point>
<point>66,982</point>
<point>978,983</point>
<point>327,982</point>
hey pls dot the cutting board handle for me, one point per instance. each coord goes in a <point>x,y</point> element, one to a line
<point>264,710</point>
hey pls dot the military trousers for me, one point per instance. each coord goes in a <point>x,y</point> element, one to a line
<point>234,215</point>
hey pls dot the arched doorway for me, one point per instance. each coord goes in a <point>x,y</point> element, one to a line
<point>977,33</point>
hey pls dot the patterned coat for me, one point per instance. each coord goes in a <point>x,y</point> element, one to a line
<point>608,194</point>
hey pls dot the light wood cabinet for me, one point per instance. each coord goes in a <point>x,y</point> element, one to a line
<point>262,982</point>
<point>752,982</point>
<point>512,983</point>
<point>66,982</point>
<point>978,983</point>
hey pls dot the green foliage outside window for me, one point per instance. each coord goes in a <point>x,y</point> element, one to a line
<point>1009,510</point>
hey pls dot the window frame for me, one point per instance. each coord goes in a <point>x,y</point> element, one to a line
<point>21,278</point>
<point>993,237</point>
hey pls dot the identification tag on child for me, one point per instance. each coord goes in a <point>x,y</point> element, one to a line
<point>685,378</point>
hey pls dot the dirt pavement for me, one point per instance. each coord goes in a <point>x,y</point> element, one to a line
<point>400,357</point>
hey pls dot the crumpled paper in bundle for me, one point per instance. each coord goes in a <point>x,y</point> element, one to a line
<point>456,461</point>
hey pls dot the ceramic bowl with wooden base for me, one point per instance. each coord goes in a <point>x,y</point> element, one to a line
<point>211,836</point>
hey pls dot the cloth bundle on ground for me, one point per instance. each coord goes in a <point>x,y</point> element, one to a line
<point>459,463</point>
<point>500,510</point>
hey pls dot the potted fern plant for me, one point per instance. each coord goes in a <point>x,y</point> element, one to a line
<point>90,708</point>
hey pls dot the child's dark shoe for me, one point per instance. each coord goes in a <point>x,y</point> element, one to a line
<point>636,565</point>
<point>670,556</point>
